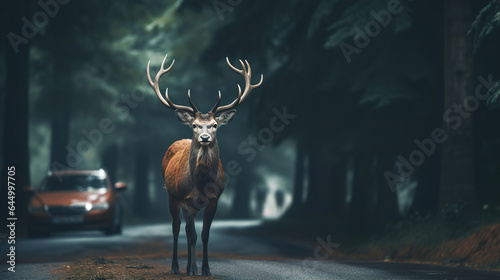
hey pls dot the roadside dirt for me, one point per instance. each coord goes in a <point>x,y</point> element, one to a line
<point>430,241</point>
<point>121,268</point>
<point>137,266</point>
<point>480,250</point>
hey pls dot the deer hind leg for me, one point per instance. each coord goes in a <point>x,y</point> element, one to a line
<point>176,225</point>
<point>208,217</point>
<point>189,214</point>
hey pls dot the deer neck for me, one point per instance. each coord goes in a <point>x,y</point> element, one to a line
<point>203,162</point>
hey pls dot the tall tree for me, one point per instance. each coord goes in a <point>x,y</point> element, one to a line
<point>141,180</point>
<point>486,31</point>
<point>15,114</point>
<point>298,183</point>
<point>457,186</point>
<point>82,68</point>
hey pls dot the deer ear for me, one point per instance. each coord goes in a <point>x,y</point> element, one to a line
<point>185,117</point>
<point>225,117</point>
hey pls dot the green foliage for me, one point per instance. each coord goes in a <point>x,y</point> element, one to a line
<point>493,101</point>
<point>486,23</point>
<point>358,15</point>
<point>380,88</point>
<point>396,82</point>
<point>97,68</point>
<point>484,28</point>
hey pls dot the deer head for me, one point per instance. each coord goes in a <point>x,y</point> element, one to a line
<point>205,125</point>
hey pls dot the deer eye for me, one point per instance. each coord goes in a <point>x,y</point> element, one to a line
<point>214,126</point>
<point>194,126</point>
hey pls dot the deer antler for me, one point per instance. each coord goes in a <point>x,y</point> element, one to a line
<point>166,101</point>
<point>246,72</point>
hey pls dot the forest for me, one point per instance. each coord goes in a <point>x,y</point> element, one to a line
<point>371,114</point>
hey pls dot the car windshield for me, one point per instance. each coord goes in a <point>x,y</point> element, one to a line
<point>73,183</point>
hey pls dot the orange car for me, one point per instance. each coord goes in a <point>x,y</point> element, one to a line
<point>67,200</point>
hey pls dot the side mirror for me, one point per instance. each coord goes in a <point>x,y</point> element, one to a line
<point>120,186</point>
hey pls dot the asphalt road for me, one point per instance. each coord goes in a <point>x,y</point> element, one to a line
<point>232,256</point>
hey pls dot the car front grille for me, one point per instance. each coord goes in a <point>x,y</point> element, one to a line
<point>67,210</point>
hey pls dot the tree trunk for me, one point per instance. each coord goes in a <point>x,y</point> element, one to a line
<point>457,185</point>
<point>243,186</point>
<point>298,184</point>
<point>338,195</point>
<point>319,188</point>
<point>363,201</point>
<point>426,194</point>
<point>109,161</point>
<point>16,111</point>
<point>141,182</point>
<point>61,115</point>
<point>387,202</point>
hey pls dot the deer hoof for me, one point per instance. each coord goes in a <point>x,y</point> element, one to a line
<point>193,270</point>
<point>175,269</point>
<point>205,271</point>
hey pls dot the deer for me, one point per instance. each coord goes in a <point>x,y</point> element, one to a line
<point>192,169</point>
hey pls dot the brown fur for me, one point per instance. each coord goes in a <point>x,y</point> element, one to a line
<point>183,182</point>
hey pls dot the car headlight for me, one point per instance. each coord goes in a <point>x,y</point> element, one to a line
<point>100,206</point>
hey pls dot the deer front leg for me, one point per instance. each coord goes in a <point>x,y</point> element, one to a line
<point>192,268</point>
<point>207,222</point>
<point>176,226</point>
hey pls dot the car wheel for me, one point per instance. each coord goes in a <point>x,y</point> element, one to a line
<point>109,231</point>
<point>119,228</point>
<point>116,227</point>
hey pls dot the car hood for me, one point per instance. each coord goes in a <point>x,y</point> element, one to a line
<point>70,198</point>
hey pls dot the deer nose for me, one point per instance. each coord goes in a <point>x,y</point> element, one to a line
<point>205,138</point>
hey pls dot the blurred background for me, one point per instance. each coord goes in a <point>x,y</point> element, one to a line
<point>363,92</point>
